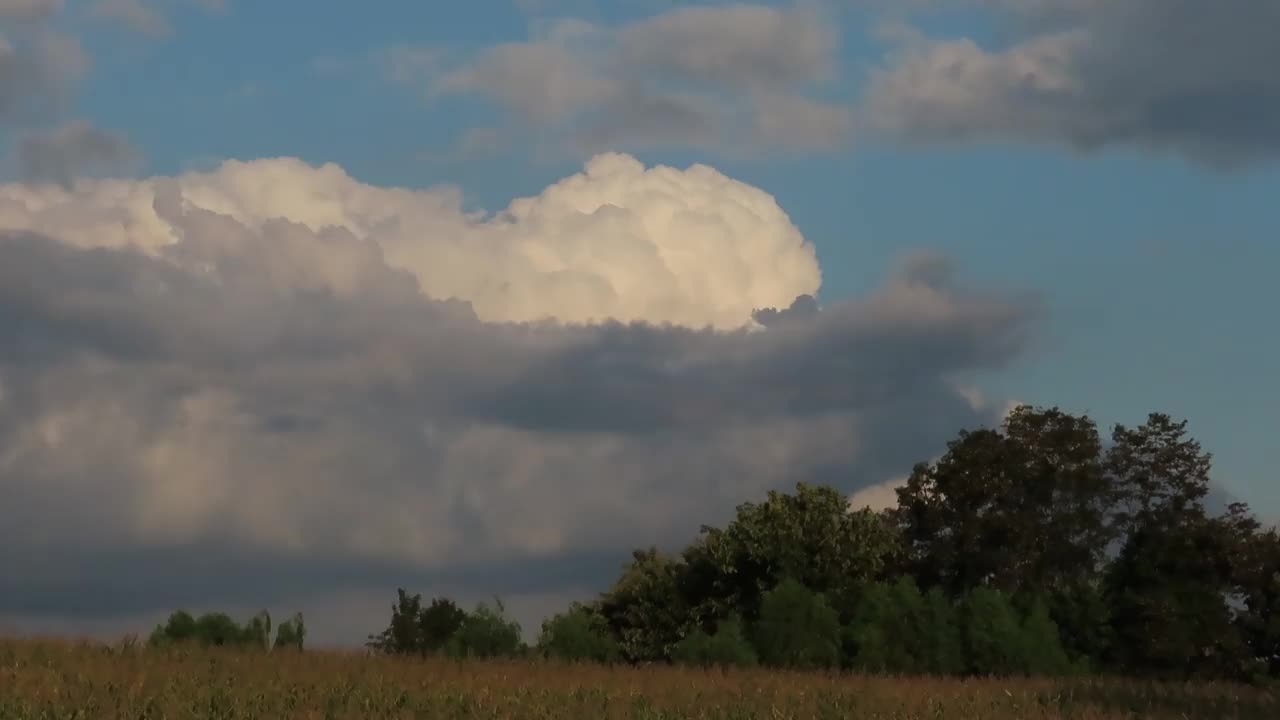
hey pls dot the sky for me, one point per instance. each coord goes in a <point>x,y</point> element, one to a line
<point>304,302</point>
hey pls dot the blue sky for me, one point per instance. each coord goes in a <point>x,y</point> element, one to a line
<point>1139,202</point>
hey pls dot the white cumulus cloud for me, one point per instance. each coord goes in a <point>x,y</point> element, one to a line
<point>617,241</point>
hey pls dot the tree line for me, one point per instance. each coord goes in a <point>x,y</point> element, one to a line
<point>216,629</point>
<point>1030,548</point>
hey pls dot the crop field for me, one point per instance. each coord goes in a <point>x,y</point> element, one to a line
<point>48,680</point>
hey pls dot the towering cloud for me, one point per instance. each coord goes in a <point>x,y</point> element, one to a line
<point>273,381</point>
<point>619,241</point>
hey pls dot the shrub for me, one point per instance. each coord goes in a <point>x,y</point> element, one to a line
<point>580,634</point>
<point>727,647</point>
<point>485,633</point>
<point>797,628</point>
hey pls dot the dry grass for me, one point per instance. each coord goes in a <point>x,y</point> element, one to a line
<point>51,680</point>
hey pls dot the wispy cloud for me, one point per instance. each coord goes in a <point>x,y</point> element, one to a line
<point>725,77</point>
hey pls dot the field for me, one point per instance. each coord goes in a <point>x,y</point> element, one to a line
<point>49,680</point>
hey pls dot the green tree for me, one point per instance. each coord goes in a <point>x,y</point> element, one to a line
<point>881,637</point>
<point>214,629</point>
<point>993,638</point>
<point>809,535</point>
<point>403,636</point>
<point>797,628</point>
<point>291,634</point>
<point>257,632</point>
<point>1169,586</point>
<point>578,635</point>
<point>485,633</point>
<point>437,623</point>
<point>896,629</point>
<point>941,645</point>
<point>1160,473</point>
<point>646,608</point>
<point>218,629</point>
<point>1042,652</point>
<point>1022,507</point>
<point>726,647</point>
<point>1083,616</point>
<point>1167,592</point>
<point>1258,584</point>
<point>180,627</point>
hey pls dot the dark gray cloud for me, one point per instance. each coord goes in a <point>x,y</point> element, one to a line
<point>803,308</point>
<point>74,150</point>
<point>1185,76</point>
<point>38,70</point>
<point>212,421</point>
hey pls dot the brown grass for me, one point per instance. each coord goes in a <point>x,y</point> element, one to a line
<point>49,680</point>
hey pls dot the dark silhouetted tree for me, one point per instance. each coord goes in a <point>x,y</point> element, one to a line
<point>403,636</point>
<point>1021,508</point>
<point>437,623</point>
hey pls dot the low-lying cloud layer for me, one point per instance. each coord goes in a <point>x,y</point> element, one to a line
<point>272,381</point>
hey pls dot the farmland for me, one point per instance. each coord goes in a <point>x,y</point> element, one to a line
<point>55,680</point>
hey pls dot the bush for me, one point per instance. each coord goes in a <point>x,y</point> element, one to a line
<point>579,635</point>
<point>181,627</point>
<point>999,642</point>
<point>992,633</point>
<point>437,623</point>
<point>942,648</point>
<point>485,633</point>
<point>1042,651</point>
<point>873,638</point>
<point>217,629</point>
<point>727,647</point>
<point>797,628</point>
<point>291,633</point>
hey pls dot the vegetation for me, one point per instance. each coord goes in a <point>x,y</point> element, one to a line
<point>219,630</point>
<point>60,680</point>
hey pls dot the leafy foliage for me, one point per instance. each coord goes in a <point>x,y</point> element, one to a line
<point>579,634</point>
<point>898,630</point>
<point>809,536</point>
<point>437,623</point>
<point>646,608</point>
<point>217,629</point>
<point>291,634</point>
<point>726,647</point>
<point>486,632</point>
<point>797,628</point>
